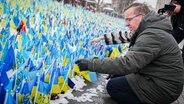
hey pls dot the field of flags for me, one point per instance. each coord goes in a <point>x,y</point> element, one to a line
<point>40,40</point>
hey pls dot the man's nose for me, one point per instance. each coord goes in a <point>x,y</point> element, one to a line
<point>127,24</point>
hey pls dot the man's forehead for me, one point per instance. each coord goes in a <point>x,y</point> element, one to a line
<point>129,11</point>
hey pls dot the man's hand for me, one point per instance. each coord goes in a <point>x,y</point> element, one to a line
<point>96,40</point>
<point>83,64</point>
<point>177,8</point>
<point>169,13</point>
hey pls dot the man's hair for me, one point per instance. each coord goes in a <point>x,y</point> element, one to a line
<point>140,8</point>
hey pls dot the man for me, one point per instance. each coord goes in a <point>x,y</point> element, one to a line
<point>152,70</point>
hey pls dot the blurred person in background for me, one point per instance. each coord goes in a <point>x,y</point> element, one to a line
<point>177,20</point>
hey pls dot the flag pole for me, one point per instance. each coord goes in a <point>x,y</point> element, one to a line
<point>6,97</point>
<point>65,78</point>
<point>37,88</point>
<point>16,100</point>
<point>52,85</point>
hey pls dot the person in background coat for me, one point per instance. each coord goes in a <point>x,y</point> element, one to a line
<point>177,20</point>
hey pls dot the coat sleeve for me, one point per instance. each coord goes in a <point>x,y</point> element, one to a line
<point>117,37</point>
<point>145,50</point>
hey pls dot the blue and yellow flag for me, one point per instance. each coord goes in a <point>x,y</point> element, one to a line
<point>42,96</point>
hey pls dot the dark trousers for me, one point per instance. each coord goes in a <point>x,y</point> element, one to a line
<point>119,89</point>
<point>178,34</point>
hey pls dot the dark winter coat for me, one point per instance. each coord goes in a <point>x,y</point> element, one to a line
<point>153,65</point>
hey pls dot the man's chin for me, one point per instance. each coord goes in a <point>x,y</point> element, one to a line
<point>132,31</point>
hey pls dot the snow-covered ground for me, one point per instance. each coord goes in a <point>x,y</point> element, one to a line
<point>86,92</point>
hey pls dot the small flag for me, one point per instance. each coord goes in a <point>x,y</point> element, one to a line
<point>8,64</point>
<point>70,83</point>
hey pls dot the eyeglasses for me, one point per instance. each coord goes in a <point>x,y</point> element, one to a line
<point>130,19</point>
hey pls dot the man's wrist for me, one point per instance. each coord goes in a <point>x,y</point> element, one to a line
<point>101,37</point>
